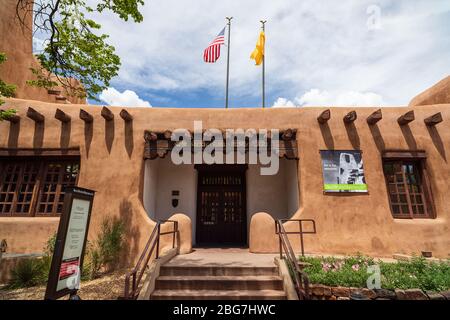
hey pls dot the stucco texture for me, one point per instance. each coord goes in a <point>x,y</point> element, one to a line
<point>112,164</point>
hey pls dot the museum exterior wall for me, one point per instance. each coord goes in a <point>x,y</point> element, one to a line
<point>112,164</point>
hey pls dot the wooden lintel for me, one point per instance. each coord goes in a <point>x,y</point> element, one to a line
<point>288,134</point>
<point>324,116</point>
<point>62,116</point>
<point>434,119</point>
<point>86,116</point>
<point>406,118</point>
<point>107,114</point>
<point>14,118</point>
<point>167,134</point>
<point>34,115</point>
<point>350,117</point>
<point>150,136</point>
<point>125,115</point>
<point>375,117</point>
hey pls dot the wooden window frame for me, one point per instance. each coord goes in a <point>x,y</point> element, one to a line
<point>418,159</point>
<point>43,162</point>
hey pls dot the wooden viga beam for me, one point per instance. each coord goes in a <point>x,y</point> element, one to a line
<point>406,118</point>
<point>107,114</point>
<point>34,115</point>
<point>167,134</point>
<point>288,134</point>
<point>324,116</point>
<point>374,117</point>
<point>433,120</point>
<point>350,117</point>
<point>150,136</point>
<point>86,116</point>
<point>125,115</point>
<point>62,116</point>
<point>14,118</point>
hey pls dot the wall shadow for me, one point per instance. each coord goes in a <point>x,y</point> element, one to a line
<point>327,136</point>
<point>109,134</point>
<point>88,134</point>
<point>129,141</point>
<point>38,138</point>
<point>13,137</point>
<point>377,138</point>
<point>353,136</point>
<point>437,141</point>
<point>409,138</point>
<point>132,234</point>
<point>66,129</point>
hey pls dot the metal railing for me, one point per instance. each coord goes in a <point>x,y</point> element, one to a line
<point>135,275</point>
<point>301,281</point>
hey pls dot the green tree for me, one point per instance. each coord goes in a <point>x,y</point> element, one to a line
<point>74,46</point>
<point>6,90</point>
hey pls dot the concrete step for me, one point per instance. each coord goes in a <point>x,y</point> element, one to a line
<point>220,282</point>
<point>214,270</point>
<point>218,295</point>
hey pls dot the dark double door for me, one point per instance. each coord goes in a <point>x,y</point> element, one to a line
<point>221,205</point>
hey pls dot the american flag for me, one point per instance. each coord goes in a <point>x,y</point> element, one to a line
<point>212,52</point>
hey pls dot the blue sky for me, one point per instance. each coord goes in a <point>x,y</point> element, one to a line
<point>329,53</point>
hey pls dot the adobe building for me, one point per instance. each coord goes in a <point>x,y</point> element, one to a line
<point>374,181</point>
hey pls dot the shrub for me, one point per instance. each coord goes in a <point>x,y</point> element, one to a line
<point>105,252</point>
<point>110,243</point>
<point>27,273</point>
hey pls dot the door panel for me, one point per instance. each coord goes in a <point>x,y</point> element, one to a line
<point>221,205</point>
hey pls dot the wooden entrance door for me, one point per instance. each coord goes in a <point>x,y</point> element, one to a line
<point>221,205</point>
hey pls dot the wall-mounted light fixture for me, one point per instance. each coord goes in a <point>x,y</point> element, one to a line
<point>175,195</point>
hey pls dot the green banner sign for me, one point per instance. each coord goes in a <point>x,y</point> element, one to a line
<point>346,187</point>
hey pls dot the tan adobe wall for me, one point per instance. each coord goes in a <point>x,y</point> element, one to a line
<point>112,164</point>
<point>439,93</point>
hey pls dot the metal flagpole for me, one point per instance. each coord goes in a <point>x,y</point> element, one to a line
<point>228,62</point>
<point>263,22</point>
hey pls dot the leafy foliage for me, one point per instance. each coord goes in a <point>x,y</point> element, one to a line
<point>27,273</point>
<point>75,48</point>
<point>6,90</point>
<point>352,272</point>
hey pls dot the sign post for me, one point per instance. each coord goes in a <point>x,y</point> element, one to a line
<point>67,261</point>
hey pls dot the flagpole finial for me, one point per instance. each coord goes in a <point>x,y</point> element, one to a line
<point>229,19</point>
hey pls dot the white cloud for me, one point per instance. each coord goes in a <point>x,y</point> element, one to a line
<point>316,97</point>
<point>128,98</point>
<point>309,44</point>
<point>283,103</point>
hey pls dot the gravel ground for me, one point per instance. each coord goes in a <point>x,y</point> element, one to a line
<point>108,287</point>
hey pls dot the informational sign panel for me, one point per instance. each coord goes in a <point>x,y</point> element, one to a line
<point>65,271</point>
<point>343,171</point>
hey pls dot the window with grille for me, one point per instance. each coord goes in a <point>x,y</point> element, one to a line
<point>35,187</point>
<point>409,193</point>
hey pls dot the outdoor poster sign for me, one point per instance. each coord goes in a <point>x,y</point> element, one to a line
<point>343,171</point>
<point>70,243</point>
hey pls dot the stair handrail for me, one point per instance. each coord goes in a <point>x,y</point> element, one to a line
<point>301,280</point>
<point>136,274</point>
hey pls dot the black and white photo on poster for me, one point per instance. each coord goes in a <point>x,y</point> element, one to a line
<point>343,171</point>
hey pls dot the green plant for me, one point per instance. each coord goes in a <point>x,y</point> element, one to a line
<point>352,272</point>
<point>27,273</point>
<point>105,251</point>
<point>110,243</point>
<point>6,90</point>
